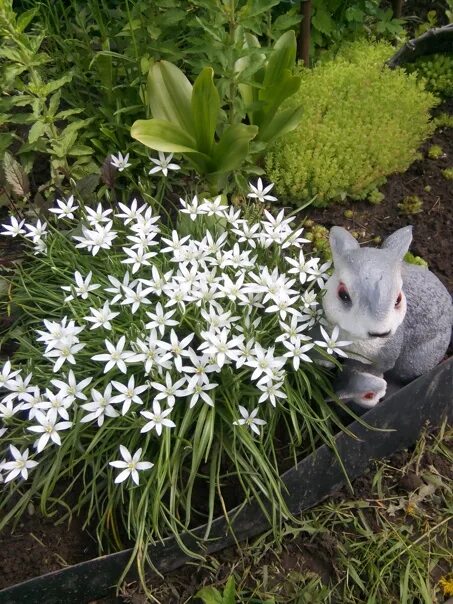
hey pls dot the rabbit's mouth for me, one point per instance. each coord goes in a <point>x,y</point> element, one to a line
<point>380,335</point>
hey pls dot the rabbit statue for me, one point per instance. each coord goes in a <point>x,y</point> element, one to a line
<point>397,316</point>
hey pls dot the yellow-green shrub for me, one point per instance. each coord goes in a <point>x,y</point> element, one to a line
<point>362,121</point>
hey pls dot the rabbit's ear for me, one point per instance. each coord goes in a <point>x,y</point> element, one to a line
<point>340,242</point>
<point>399,241</point>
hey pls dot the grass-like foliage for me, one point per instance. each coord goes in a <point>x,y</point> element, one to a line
<point>361,122</point>
<point>152,361</point>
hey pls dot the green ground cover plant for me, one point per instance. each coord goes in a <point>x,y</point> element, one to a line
<point>436,71</point>
<point>361,122</point>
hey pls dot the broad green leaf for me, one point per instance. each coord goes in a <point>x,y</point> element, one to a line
<point>54,103</point>
<point>79,150</point>
<point>273,98</point>
<point>283,122</point>
<point>209,595</point>
<point>322,21</point>
<point>6,139</point>
<point>233,147</point>
<point>205,110</point>
<point>257,7</point>
<point>163,135</point>
<point>36,131</point>
<point>169,95</point>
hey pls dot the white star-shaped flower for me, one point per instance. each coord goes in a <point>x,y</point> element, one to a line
<point>260,192</point>
<point>120,162</point>
<point>20,465</point>
<point>131,465</point>
<point>163,164</point>
<point>250,420</point>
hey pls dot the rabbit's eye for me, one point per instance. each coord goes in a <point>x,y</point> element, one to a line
<point>398,300</point>
<point>343,293</point>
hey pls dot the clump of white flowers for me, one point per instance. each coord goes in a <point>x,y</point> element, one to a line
<point>150,328</point>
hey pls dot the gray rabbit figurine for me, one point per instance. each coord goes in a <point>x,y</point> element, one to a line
<point>397,316</point>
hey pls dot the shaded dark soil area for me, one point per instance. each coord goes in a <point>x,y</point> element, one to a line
<point>38,545</point>
<point>433,226</point>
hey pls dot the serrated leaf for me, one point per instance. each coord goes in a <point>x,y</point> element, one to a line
<point>55,85</point>
<point>205,109</point>
<point>257,7</point>
<point>169,95</point>
<point>209,595</point>
<point>323,22</point>
<point>15,175</point>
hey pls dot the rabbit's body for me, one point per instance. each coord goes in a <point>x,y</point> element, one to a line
<point>398,316</point>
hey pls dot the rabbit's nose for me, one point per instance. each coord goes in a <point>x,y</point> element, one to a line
<point>379,335</point>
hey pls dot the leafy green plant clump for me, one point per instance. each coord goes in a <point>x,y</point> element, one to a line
<point>435,152</point>
<point>448,173</point>
<point>413,259</point>
<point>361,122</point>
<point>153,362</point>
<point>437,71</point>
<point>411,204</point>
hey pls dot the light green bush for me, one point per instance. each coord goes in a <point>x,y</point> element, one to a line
<point>362,122</point>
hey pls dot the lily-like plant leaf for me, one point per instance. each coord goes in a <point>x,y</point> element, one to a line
<point>233,147</point>
<point>170,94</point>
<point>205,106</point>
<point>283,122</point>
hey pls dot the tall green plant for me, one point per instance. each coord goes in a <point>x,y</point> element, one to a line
<point>189,119</point>
<point>29,98</point>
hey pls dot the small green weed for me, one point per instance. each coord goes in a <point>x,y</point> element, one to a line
<point>448,173</point>
<point>411,204</point>
<point>435,152</point>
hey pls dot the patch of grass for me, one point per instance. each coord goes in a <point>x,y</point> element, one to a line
<point>389,543</point>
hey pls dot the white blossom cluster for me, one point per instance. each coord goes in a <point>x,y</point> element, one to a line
<point>180,311</point>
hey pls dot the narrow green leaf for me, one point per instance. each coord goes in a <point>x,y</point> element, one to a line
<point>205,109</point>
<point>229,592</point>
<point>169,94</point>
<point>282,58</point>
<point>233,147</point>
<point>36,131</point>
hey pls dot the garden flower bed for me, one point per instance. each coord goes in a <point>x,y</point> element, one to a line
<point>165,355</point>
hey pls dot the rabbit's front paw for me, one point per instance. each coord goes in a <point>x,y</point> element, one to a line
<point>364,389</point>
<point>371,396</point>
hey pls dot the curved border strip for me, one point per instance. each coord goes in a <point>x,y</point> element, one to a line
<point>439,39</point>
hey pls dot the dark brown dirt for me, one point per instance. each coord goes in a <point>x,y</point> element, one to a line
<point>433,227</point>
<point>38,545</point>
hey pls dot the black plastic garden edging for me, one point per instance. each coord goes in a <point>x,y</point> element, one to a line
<point>436,40</point>
<point>402,416</point>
